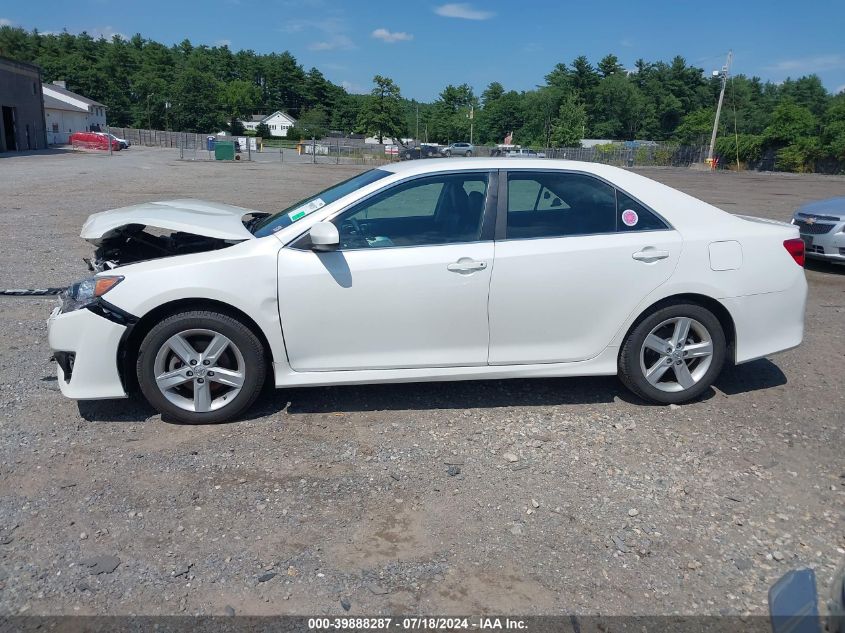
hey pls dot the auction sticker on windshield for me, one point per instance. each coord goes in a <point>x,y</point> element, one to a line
<point>305,209</point>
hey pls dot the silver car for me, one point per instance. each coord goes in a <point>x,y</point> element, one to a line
<point>459,149</point>
<point>822,227</point>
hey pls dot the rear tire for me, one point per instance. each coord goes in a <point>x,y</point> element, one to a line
<point>201,367</point>
<point>468,154</point>
<point>674,354</point>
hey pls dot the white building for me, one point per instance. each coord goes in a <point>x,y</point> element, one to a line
<point>278,122</point>
<point>66,112</point>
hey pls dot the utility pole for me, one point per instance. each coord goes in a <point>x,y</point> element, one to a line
<point>471,121</point>
<point>724,74</point>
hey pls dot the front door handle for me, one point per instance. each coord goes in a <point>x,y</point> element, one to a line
<point>466,265</point>
<point>650,254</point>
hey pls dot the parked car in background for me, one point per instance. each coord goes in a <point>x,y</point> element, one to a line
<point>524,152</point>
<point>124,144</point>
<point>427,270</point>
<point>822,227</point>
<point>93,140</point>
<point>425,150</point>
<point>459,149</point>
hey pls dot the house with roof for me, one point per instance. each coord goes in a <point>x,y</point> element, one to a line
<point>66,112</point>
<point>279,122</point>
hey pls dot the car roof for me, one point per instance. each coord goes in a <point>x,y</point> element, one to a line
<point>679,208</point>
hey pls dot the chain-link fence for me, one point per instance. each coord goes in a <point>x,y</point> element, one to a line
<point>160,138</point>
<point>622,155</point>
<point>339,151</point>
<point>306,152</point>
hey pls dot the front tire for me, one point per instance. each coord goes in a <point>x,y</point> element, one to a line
<point>201,367</point>
<point>447,153</point>
<point>674,354</point>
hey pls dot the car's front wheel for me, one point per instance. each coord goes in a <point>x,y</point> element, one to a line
<point>674,354</point>
<point>447,153</point>
<point>201,367</point>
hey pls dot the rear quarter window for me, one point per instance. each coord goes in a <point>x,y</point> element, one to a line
<point>634,216</point>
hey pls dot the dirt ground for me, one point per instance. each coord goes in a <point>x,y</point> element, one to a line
<point>398,498</point>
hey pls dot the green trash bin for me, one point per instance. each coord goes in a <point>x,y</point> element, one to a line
<point>224,150</point>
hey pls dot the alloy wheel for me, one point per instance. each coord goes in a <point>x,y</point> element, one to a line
<point>199,370</point>
<point>676,354</point>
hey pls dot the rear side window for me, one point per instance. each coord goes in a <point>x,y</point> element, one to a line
<point>548,204</point>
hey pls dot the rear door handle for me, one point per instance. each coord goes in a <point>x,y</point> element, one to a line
<point>466,265</point>
<point>650,254</point>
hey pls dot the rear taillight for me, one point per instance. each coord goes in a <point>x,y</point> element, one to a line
<point>795,247</point>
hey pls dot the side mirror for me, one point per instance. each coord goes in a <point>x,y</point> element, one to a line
<point>324,237</point>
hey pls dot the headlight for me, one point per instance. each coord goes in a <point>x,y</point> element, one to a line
<point>85,292</point>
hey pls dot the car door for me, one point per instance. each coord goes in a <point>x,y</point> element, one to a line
<point>574,257</point>
<point>408,286</point>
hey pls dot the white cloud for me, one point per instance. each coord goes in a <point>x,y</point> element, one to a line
<point>353,88</point>
<point>817,63</point>
<point>392,37</point>
<point>333,43</point>
<point>462,10</point>
<point>106,32</point>
<point>332,32</point>
<point>223,43</point>
<point>5,22</point>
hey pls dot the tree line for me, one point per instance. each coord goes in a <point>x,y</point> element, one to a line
<point>206,88</point>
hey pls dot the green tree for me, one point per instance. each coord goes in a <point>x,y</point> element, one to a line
<point>695,128</point>
<point>833,132</point>
<point>609,65</point>
<point>622,110</point>
<point>568,128</point>
<point>451,112</point>
<point>262,130</point>
<point>312,123</point>
<point>790,123</point>
<point>239,100</point>
<point>381,115</point>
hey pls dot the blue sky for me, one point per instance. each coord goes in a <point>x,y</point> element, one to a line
<point>425,45</point>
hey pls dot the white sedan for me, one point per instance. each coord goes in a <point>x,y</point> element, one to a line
<point>427,270</point>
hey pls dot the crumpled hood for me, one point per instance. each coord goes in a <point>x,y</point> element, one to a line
<point>209,219</point>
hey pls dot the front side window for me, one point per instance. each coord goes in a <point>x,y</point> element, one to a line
<point>442,209</point>
<point>549,204</point>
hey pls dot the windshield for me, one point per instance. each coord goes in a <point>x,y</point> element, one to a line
<point>295,212</point>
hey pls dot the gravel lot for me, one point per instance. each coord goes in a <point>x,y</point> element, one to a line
<point>527,496</point>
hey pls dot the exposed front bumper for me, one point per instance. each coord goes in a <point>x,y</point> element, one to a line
<point>86,346</point>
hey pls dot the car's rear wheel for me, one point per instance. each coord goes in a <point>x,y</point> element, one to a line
<point>201,367</point>
<point>674,354</point>
<point>468,154</point>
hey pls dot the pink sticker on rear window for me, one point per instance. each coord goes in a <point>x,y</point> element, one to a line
<point>630,217</point>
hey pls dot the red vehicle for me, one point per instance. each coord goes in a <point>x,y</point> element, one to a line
<point>93,140</point>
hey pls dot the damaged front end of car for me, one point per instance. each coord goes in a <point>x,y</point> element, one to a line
<point>164,229</point>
